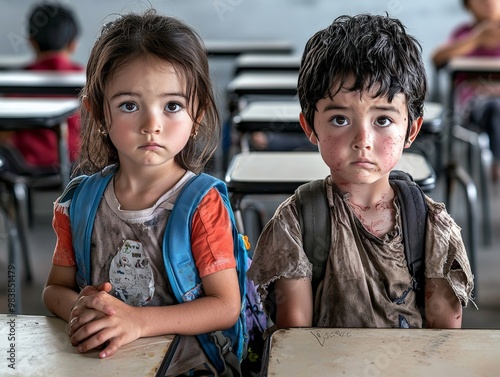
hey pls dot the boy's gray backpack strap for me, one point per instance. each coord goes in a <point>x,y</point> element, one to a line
<point>414,218</point>
<point>314,218</point>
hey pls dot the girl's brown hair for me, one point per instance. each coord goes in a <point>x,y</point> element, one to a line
<point>145,36</point>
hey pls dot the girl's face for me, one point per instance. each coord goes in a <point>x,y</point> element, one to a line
<point>147,112</point>
<point>361,138</point>
<point>484,9</point>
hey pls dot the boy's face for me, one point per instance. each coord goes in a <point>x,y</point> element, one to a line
<point>360,138</point>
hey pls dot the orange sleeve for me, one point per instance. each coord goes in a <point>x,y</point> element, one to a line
<point>64,255</point>
<point>211,236</point>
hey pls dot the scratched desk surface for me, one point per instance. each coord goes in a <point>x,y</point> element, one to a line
<point>385,352</point>
<point>42,348</point>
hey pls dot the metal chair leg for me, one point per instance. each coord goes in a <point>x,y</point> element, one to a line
<point>458,174</point>
<point>20,193</point>
<point>13,276</point>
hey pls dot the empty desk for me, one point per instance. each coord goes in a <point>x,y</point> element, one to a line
<point>383,352</point>
<point>278,116</point>
<point>267,63</point>
<point>41,347</point>
<point>236,47</point>
<point>8,62</point>
<point>266,83</point>
<point>274,173</point>
<point>268,116</point>
<point>31,113</point>
<point>41,82</point>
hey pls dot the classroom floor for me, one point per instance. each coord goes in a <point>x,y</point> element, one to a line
<point>42,240</point>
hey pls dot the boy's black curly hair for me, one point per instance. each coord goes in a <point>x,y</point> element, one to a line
<point>52,26</point>
<point>373,50</point>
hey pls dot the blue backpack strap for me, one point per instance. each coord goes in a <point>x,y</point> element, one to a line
<point>181,269</point>
<point>87,192</point>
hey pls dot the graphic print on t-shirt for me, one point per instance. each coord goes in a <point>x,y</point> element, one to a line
<point>131,275</point>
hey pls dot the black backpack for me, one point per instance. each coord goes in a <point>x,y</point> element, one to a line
<point>315,220</point>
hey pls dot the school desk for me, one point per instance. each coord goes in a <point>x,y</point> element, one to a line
<point>40,346</point>
<point>9,62</point>
<point>24,114</point>
<point>268,116</point>
<point>263,83</point>
<point>383,352</point>
<point>30,113</point>
<point>267,63</point>
<point>232,48</point>
<point>272,173</point>
<point>41,82</point>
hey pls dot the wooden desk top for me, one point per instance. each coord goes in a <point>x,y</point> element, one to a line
<point>26,113</point>
<point>384,352</point>
<point>41,82</point>
<point>237,47</point>
<point>42,348</point>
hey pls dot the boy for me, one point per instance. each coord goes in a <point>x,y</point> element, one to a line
<point>53,32</point>
<point>362,88</point>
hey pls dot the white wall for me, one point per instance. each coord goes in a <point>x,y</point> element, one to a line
<point>430,21</point>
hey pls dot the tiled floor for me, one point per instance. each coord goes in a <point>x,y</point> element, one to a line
<point>42,240</point>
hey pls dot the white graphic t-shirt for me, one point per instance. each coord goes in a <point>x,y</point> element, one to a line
<point>131,274</point>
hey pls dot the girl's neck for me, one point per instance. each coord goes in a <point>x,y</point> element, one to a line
<point>142,188</point>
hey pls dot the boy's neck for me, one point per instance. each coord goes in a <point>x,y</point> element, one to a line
<point>367,195</point>
<point>376,211</point>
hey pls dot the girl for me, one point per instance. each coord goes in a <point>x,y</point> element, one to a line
<point>148,110</point>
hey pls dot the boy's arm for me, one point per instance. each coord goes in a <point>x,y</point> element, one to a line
<point>217,310</point>
<point>294,303</point>
<point>442,307</point>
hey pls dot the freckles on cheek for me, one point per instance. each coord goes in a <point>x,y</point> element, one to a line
<point>392,149</point>
<point>336,162</point>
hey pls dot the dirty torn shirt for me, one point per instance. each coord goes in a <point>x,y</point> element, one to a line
<point>367,282</point>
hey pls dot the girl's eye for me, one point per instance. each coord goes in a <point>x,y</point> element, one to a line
<point>383,121</point>
<point>128,107</point>
<point>173,107</point>
<point>339,121</point>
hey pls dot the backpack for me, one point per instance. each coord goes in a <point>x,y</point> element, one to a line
<point>228,350</point>
<point>315,221</point>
